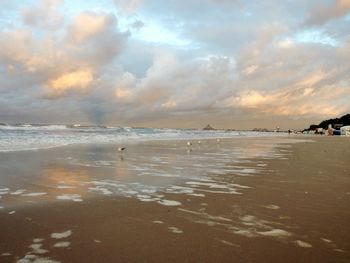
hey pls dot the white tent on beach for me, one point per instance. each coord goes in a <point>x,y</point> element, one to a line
<point>345,130</point>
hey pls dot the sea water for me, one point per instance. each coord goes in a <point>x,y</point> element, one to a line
<point>36,136</point>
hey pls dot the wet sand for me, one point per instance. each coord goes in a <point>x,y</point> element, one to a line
<point>239,200</point>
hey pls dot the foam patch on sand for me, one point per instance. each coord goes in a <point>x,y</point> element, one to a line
<point>62,244</point>
<point>275,233</point>
<point>225,242</point>
<point>18,192</point>
<point>34,255</point>
<point>207,219</point>
<point>303,244</point>
<point>179,189</point>
<point>149,191</point>
<point>273,207</point>
<point>146,198</point>
<point>157,222</point>
<point>216,187</point>
<point>197,195</point>
<point>326,240</point>
<point>61,235</point>
<point>339,250</point>
<point>38,240</point>
<point>175,230</point>
<point>35,194</point>
<point>72,197</point>
<point>64,187</point>
<point>248,171</point>
<point>36,249</point>
<point>144,193</point>
<point>245,232</point>
<point>4,191</point>
<point>169,202</point>
<point>101,190</point>
<point>35,259</point>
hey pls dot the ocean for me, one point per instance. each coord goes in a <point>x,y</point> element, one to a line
<point>22,137</point>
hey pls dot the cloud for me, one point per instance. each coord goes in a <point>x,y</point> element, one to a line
<point>66,59</point>
<point>177,86</point>
<point>304,102</point>
<point>325,12</point>
<point>137,24</point>
<point>79,80</point>
<point>128,6</point>
<point>89,24</point>
<point>239,61</point>
<point>43,14</point>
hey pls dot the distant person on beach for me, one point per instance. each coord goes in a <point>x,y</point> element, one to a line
<point>330,129</point>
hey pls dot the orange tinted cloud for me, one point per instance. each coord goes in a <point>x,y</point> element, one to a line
<point>76,80</point>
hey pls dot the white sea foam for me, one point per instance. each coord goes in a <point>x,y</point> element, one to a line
<point>303,244</point>
<point>64,187</point>
<point>72,197</point>
<point>206,215</point>
<point>326,240</point>
<point>175,230</point>
<point>197,195</point>
<point>18,192</point>
<point>245,232</point>
<point>275,233</point>
<point>227,243</point>
<point>37,249</point>
<point>35,194</point>
<point>223,188</point>
<point>273,207</point>
<point>157,222</point>
<point>169,202</point>
<point>62,244</point>
<point>339,250</point>
<point>146,198</point>
<point>101,190</point>
<point>62,234</point>
<point>4,191</point>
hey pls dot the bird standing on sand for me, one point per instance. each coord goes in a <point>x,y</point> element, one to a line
<point>121,149</point>
<point>189,144</point>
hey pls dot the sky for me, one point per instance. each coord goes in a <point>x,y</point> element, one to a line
<point>238,64</point>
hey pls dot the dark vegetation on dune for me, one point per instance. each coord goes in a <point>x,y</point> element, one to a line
<point>343,120</point>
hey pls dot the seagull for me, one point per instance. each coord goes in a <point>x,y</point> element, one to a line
<point>120,149</point>
<point>189,144</point>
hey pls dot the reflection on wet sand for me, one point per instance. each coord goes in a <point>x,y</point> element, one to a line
<point>145,173</point>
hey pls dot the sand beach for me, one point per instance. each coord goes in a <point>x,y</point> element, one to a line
<point>270,199</point>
